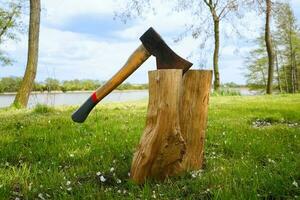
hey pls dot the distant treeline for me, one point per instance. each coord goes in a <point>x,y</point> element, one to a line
<point>11,84</point>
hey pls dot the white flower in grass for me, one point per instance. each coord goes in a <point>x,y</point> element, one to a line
<point>71,155</point>
<point>40,195</point>
<point>271,161</point>
<point>295,184</point>
<point>102,179</point>
<point>68,183</point>
<point>30,186</point>
<point>69,188</point>
<point>119,191</point>
<point>112,169</point>
<point>17,198</point>
<point>98,173</point>
<point>119,181</point>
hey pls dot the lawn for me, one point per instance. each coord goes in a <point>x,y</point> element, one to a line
<point>252,152</point>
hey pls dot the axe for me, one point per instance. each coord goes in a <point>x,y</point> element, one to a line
<point>152,44</point>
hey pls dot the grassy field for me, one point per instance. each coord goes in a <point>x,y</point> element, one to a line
<point>252,152</point>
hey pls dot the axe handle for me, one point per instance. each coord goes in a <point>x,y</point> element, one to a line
<point>137,58</point>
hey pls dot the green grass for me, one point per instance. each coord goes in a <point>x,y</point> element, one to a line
<point>252,152</point>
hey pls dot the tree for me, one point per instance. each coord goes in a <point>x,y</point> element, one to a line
<point>218,10</point>
<point>286,47</point>
<point>269,47</point>
<point>52,84</point>
<point>32,56</point>
<point>10,84</point>
<point>9,25</point>
<point>288,39</point>
<point>257,65</point>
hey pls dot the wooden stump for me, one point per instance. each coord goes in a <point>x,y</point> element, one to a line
<point>176,121</point>
<point>193,116</point>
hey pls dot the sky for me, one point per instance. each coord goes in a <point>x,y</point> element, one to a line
<point>82,40</point>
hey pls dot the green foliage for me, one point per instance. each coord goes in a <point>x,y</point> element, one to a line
<point>39,86</point>
<point>287,38</point>
<point>257,66</point>
<point>10,84</point>
<point>49,156</point>
<point>42,109</point>
<point>129,86</point>
<point>232,85</point>
<point>226,91</point>
<point>76,84</point>
<point>52,84</point>
<point>10,12</point>
<point>286,41</point>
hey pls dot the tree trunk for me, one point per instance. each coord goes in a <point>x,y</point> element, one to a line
<point>263,76</point>
<point>278,73</point>
<point>173,139</point>
<point>293,74</point>
<point>292,82</point>
<point>270,52</point>
<point>287,88</point>
<point>297,75</point>
<point>193,116</point>
<point>216,54</point>
<point>32,56</point>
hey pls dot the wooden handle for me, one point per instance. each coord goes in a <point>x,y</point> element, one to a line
<point>137,58</point>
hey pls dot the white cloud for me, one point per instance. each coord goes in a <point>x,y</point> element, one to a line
<point>75,55</point>
<point>58,12</point>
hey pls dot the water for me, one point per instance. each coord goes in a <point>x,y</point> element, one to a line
<point>72,98</point>
<point>247,92</point>
<point>77,98</point>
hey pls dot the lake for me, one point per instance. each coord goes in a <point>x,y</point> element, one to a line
<point>77,98</point>
<point>73,98</point>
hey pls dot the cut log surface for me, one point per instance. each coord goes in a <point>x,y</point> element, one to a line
<point>161,147</point>
<point>193,115</point>
<point>173,139</point>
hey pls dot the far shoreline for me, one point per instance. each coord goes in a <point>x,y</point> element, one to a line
<point>75,91</point>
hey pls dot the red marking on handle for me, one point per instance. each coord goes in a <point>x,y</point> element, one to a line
<point>94,98</point>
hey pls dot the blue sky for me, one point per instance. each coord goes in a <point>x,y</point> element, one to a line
<point>79,39</point>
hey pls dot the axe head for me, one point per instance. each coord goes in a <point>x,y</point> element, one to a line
<point>166,58</point>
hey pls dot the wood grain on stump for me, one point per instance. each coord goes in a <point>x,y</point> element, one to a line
<point>173,139</point>
<point>193,116</point>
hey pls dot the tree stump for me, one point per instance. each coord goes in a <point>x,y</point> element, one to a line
<point>193,116</point>
<point>176,121</point>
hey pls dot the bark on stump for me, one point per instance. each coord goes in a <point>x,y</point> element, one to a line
<point>173,139</point>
